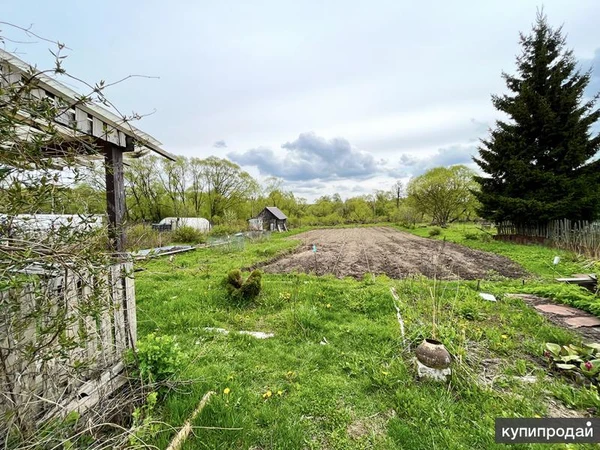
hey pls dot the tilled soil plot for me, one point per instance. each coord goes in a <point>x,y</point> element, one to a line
<point>355,252</point>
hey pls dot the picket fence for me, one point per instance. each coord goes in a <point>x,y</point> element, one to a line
<point>43,376</point>
<point>578,236</point>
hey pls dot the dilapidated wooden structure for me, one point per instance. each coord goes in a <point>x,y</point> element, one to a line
<point>94,312</point>
<point>102,130</point>
<point>269,219</point>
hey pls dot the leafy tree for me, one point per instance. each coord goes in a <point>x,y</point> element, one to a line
<point>398,192</point>
<point>227,185</point>
<point>444,193</point>
<point>539,162</point>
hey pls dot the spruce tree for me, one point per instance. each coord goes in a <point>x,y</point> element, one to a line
<point>540,163</point>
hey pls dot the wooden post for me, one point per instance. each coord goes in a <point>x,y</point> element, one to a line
<point>115,195</point>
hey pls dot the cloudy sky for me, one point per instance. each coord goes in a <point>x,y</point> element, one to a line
<point>332,96</point>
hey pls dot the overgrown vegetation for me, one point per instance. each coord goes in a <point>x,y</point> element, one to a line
<point>188,235</point>
<point>241,290</point>
<point>156,358</point>
<point>337,374</point>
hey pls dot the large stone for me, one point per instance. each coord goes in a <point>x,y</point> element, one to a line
<point>587,321</point>
<point>558,310</point>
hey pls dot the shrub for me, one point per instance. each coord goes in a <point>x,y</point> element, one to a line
<point>158,357</point>
<point>435,231</point>
<point>242,290</point>
<point>188,235</point>
<point>472,236</point>
<point>224,230</point>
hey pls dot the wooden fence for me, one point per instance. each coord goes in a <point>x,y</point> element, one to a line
<point>66,355</point>
<point>578,236</point>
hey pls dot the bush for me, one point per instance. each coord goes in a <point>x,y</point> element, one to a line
<point>435,231</point>
<point>472,236</point>
<point>142,236</point>
<point>241,290</point>
<point>188,235</point>
<point>224,230</point>
<point>158,357</point>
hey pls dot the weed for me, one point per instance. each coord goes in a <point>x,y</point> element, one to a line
<point>241,290</point>
<point>188,235</point>
<point>157,357</point>
<point>435,231</point>
<point>144,426</point>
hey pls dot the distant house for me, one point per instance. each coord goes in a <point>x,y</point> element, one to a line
<point>271,218</point>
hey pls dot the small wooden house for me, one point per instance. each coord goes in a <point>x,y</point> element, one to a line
<point>271,218</point>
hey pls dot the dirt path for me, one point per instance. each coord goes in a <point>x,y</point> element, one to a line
<point>355,252</point>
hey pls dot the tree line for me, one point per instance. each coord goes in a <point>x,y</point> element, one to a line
<point>221,191</point>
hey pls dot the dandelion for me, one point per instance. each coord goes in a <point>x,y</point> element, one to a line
<point>328,305</point>
<point>280,393</point>
<point>267,394</point>
<point>504,336</point>
<point>226,391</point>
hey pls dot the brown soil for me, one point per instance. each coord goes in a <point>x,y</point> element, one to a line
<point>355,252</point>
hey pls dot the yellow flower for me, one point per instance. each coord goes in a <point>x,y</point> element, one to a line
<point>267,394</point>
<point>504,336</point>
<point>280,393</point>
<point>329,305</point>
<point>226,391</point>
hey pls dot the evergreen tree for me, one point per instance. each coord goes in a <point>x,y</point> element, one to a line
<point>540,163</point>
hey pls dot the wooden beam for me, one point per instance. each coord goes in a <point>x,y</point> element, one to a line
<point>115,195</point>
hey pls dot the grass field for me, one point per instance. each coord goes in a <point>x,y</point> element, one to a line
<point>337,374</point>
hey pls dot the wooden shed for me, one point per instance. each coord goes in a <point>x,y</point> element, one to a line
<point>271,218</point>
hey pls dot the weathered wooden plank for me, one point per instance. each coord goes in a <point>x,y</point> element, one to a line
<point>131,304</point>
<point>119,313</point>
<point>40,385</point>
<point>115,195</point>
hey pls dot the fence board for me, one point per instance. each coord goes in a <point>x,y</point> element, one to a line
<point>92,342</point>
<point>578,236</point>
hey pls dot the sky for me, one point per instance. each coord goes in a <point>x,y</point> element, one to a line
<point>331,96</point>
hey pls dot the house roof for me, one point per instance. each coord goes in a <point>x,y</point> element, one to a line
<point>276,212</point>
<point>103,115</point>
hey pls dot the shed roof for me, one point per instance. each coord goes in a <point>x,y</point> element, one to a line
<point>106,117</point>
<point>276,212</point>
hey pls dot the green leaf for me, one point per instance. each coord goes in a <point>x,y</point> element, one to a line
<point>566,366</point>
<point>553,348</point>
<point>568,358</point>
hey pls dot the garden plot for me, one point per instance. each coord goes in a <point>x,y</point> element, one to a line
<point>355,252</point>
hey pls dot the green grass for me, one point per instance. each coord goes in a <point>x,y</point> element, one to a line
<point>536,259</point>
<point>360,390</point>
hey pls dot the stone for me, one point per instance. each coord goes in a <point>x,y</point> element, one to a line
<point>431,373</point>
<point>587,321</point>
<point>558,310</point>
